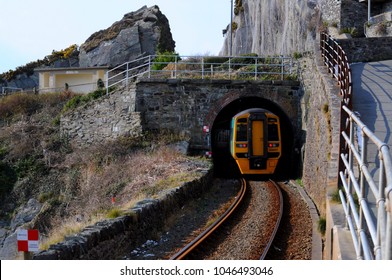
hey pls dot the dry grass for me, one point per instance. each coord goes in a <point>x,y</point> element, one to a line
<point>77,185</point>
<point>130,178</point>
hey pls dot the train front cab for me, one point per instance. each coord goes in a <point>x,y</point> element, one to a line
<point>255,141</point>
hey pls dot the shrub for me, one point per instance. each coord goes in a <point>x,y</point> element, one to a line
<point>322,225</point>
<point>79,100</point>
<point>114,213</point>
<point>163,59</point>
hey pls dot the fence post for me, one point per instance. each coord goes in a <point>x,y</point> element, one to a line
<point>149,66</point>
<point>127,76</point>
<point>202,68</point>
<point>256,68</point>
<point>282,66</point>
<point>230,67</point>
<point>175,67</point>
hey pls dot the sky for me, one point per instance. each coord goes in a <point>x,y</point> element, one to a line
<point>32,29</point>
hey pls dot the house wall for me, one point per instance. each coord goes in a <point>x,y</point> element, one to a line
<point>79,81</point>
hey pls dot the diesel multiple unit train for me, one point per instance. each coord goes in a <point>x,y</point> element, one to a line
<point>255,141</point>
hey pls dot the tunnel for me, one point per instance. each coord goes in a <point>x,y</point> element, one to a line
<point>224,164</point>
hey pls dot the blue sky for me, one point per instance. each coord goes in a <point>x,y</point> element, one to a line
<point>30,30</point>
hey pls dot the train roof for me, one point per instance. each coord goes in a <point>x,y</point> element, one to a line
<point>253,110</point>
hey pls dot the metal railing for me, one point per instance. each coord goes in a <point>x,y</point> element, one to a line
<point>10,90</point>
<point>371,232</point>
<point>202,67</point>
<point>337,63</point>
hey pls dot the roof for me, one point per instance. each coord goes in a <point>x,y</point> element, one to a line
<point>47,69</point>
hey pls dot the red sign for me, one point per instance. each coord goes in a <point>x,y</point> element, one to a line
<point>28,240</point>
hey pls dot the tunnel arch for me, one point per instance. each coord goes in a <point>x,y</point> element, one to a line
<point>224,165</point>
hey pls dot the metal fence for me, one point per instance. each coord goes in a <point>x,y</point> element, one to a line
<point>202,67</point>
<point>371,229</point>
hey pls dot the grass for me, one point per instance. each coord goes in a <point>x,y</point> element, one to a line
<point>322,225</point>
<point>299,182</point>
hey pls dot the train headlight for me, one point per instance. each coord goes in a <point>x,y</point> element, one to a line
<point>273,145</point>
<point>241,145</point>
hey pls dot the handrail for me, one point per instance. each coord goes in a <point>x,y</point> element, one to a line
<point>371,232</point>
<point>335,59</point>
<point>201,67</point>
<point>371,235</point>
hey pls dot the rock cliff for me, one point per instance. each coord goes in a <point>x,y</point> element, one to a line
<point>143,32</point>
<point>273,27</point>
<point>139,33</point>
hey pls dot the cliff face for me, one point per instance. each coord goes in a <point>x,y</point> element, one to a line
<point>139,33</point>
<point>273,27</point>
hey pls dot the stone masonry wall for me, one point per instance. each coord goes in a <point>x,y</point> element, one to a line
<point>344,13</point>
<point>363,49</point>
<point>104,119</point>
<point>321,121</point>
<point>185,106</point>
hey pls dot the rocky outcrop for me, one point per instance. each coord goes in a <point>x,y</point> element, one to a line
<point>277,27</point>
<point>8,232</point>
<point>139,33</point>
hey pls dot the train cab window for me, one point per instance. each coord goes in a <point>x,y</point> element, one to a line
<point>242,130</point>
<point>273,134</point>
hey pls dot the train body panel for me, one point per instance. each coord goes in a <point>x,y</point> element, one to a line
<point>255,141</point>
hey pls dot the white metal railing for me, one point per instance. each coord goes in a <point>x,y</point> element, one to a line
<point>371,232</point>
<point>7,90</point>
<point>201,67</point>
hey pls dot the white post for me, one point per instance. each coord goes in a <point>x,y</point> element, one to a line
<point>231,27</point>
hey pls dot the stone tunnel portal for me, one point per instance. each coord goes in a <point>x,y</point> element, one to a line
<point>224,164</point>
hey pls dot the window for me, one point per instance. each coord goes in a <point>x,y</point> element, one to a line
<point>273,134</point>
<point>242,132</point>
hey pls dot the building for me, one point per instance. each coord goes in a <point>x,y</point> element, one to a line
<point>76,79</point>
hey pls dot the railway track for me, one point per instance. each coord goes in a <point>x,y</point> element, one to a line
<point>222,227</point>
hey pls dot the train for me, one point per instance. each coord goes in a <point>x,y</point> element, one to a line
<point>255,141</point>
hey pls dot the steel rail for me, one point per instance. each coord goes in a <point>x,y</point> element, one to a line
<point>272,237</point>
<point>206,233</point>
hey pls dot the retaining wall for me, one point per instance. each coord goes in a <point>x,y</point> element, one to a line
<point>115,238</point>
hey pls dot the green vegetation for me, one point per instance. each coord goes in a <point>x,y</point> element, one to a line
<point>114,213</point>
<point>238,8</point>
<point>350,30</point>
<point>234,26</point>
<point>322,225</point>
<point>297,55</point>
<point>163,59</point>
<point>335,197</point>
<point>81,99</point>
<point>299,182</point>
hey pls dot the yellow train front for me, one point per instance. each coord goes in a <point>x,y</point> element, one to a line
<point>255,141</point>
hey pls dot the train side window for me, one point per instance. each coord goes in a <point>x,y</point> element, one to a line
<point>273,134</point>
<point>242,132</point>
